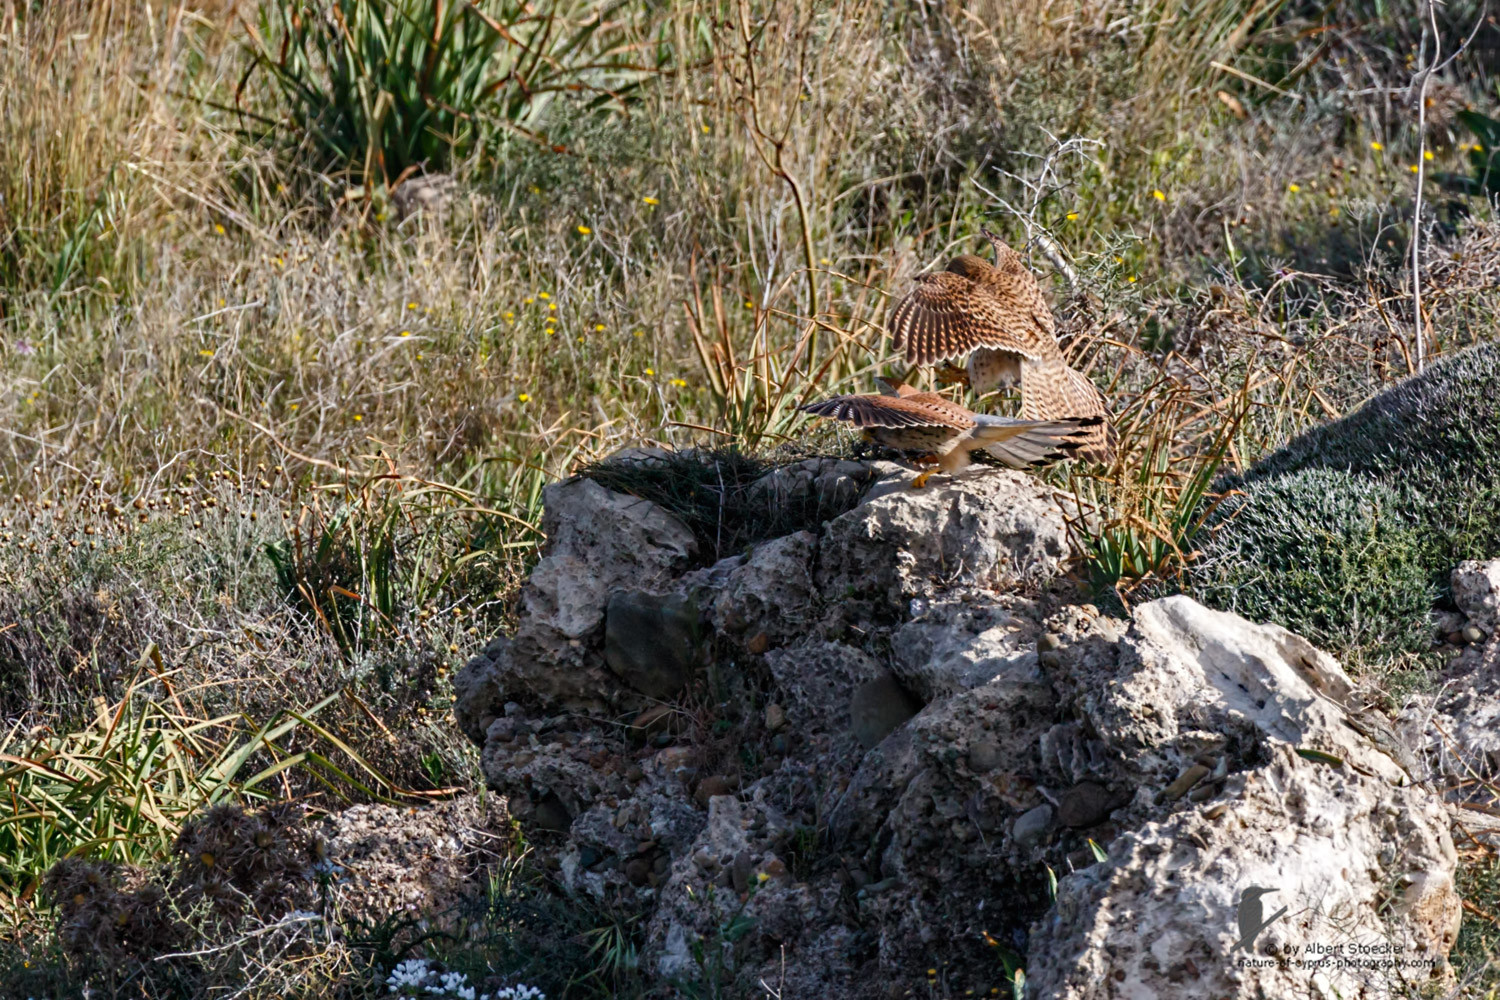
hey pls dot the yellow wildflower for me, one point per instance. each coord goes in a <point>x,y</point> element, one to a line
<point>1072,216</point>
<point>640,333</point>
<point>359,416</point>
<point>650,200</point>
<point>221,303</point>
<point>524,397</point>
<point>552,306</point>
<point>680,383</point>
<point>406,333</point>
<point>1414,168</point>
<point>1294,188</point>
<point>206,353</point>
<point>650,371</point>
<point>1159,195</point>
<point>1376,146</point>
<point>411,305</point>
<point>219,228</point>
<point>1426,154</point>
<point>583,230</point>
<point>600,327</point>
<point>543,296</point>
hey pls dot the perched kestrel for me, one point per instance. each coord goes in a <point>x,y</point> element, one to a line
<point>943,433</point>
<point>995,316</point>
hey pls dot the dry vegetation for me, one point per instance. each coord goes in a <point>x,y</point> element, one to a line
<point>272,452</point>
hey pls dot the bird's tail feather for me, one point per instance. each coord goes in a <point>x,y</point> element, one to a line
<point>1019,443</point>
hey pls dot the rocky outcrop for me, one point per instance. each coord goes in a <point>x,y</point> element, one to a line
<point>855,754</point>
<point>1476,591</point>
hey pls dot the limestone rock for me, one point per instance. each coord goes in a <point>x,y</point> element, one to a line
<point>1159,918</point>
<point>878,706</point>
<point>388,861</point>
<point>598,542</point>
<point>818,682</point>
<point>956,647</point>
<point>1476,591</point>
<point>771,592</point>
<point>1190,681</point>
<point>989,529</point>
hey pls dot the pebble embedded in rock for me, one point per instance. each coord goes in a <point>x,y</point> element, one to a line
<point>1473,634</point>
<point>638,871</point>
<point>1085,804</point>
<point>775,717</point>
<point>740,871</point>
<point>877,708</point>
<point>551,814</point>
<point>1186,780</point>
<point>758,644</point>
<point>651,641</point>
<point>714,784</point>
<point>984,756</point>
<point>1032,826</point>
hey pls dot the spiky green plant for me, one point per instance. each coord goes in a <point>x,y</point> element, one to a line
<point>382,87</point>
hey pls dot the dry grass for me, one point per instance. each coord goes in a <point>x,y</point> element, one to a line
<point>191,302</point>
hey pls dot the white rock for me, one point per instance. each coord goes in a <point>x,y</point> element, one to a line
<point>1159,919</point>
<point>987,528</point>
<point>1476,591</point>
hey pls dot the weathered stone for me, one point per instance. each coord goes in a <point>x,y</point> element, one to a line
<point>877,707</point>
<point>1159,919</point>
<point>1032,826</point>
<point>1476,591</point>
<point>651,641</point>
<point>1085,804</point>
<point>986,529</point>
<point>769,597</point>
<point>817,681</point>
<point>598,542</point>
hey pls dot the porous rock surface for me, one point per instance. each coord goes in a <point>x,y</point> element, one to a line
<point>890,730</point>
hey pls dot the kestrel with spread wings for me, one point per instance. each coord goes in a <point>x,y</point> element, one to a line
<point>996,316</point>
<point>943,433</point>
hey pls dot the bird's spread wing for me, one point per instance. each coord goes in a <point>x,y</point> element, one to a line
<point>947,315</point>
<point>921,410</point>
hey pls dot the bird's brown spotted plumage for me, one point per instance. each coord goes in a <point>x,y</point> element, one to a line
<point>944,433</point>
<point>996,318</point>
<point>974,304</point>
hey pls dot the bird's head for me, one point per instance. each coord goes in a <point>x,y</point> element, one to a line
<point>1005,257</point>
<point>894,386</point>
<point>1255,892</point>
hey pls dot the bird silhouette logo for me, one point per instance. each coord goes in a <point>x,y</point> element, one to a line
<point>1252,918</point>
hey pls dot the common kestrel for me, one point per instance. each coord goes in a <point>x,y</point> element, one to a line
<point>943,433</point>
<point>996,316</point>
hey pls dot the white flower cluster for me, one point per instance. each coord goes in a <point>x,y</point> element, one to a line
<point>415,979</point>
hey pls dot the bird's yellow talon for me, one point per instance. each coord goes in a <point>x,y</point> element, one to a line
<point>921,480</point>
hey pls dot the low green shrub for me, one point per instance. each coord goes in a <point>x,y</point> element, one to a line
<point>1348,534</point>
<point>1434,441</point>
<point>1329,555</point>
